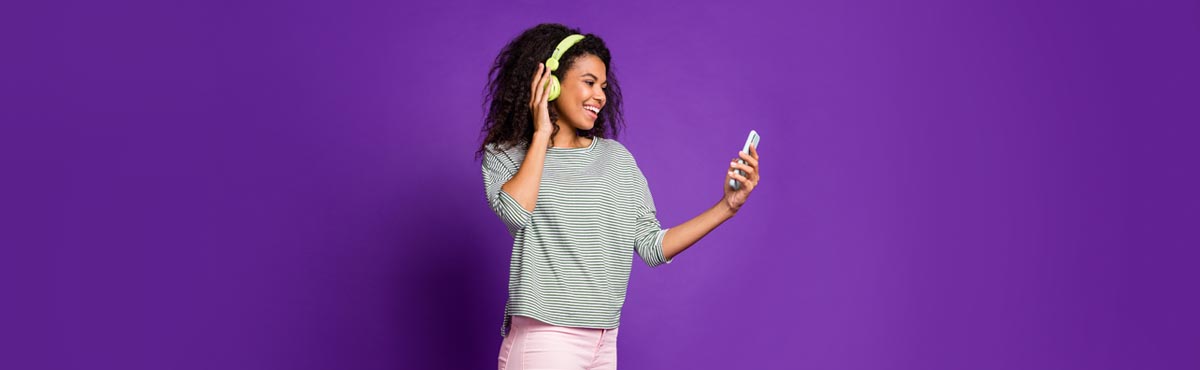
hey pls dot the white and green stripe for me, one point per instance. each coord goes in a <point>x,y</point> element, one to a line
<point>571,256</point>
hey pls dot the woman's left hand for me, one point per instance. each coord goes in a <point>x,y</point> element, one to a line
<point>736,198</point>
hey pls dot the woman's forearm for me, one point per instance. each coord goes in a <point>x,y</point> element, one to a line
<point>524,185</point>
<point>682,236</point>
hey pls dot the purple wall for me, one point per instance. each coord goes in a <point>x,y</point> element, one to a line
<point>290,185</point>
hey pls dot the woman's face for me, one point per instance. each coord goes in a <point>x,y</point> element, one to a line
<point>582,96</point>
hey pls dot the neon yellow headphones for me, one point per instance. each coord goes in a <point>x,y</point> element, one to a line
<point>552,63</point>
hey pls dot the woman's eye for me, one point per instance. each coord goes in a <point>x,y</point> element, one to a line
<point>590,83</point>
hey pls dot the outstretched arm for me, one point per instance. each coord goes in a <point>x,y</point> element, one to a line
<point>679,238</point>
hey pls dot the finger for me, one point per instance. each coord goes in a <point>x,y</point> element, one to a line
<point>751,172</point>
<point>744,167</point>
<point>749,159</point>
<point>545,96</point>
<point>754,151</point>
<point>533,86</point>
<point>746,183</point>
<point>541,87</point>
<point>545,87</point>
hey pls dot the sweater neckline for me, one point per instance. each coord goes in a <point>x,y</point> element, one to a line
<point>577,150</point>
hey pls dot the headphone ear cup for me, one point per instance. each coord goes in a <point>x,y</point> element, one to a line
<point>555,89</point>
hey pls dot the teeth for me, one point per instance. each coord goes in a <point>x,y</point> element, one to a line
<point>593,109</point>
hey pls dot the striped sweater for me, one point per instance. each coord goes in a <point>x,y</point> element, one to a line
<point>571,256</point>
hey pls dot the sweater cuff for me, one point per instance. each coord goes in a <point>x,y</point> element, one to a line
<point>658,245</point>
<point>512,213</point>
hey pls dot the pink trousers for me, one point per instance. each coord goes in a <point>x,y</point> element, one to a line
<point>532,344</point>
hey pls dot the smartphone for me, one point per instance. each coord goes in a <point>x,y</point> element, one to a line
<point>751,140</point>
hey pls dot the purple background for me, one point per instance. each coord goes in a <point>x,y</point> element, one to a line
<point>290,184</point>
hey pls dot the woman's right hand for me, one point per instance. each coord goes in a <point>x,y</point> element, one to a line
<point>539,101</point>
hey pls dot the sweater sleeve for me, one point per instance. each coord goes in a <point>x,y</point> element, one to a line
<point>498,168</point>
<point>648,231</point>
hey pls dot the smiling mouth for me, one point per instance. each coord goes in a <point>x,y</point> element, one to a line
<point>593,111</point>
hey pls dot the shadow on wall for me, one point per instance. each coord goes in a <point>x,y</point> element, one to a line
<point>453,281</point>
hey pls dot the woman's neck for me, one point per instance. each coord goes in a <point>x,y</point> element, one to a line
<point>567,137</point>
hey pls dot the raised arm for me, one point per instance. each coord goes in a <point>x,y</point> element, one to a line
<point>679,238</point>
<point>524,185</point>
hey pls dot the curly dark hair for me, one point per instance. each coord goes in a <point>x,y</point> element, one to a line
<point>508,122</point>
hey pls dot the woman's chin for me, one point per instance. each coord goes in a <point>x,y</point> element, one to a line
<point>584,126</point>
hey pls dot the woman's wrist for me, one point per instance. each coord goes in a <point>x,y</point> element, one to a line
<point>725,208</point>
<point>540,140</point>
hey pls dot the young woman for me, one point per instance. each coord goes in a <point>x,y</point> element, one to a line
<point>573,199</point>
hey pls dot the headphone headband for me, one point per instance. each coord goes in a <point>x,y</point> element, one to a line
<point>561,49</point>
